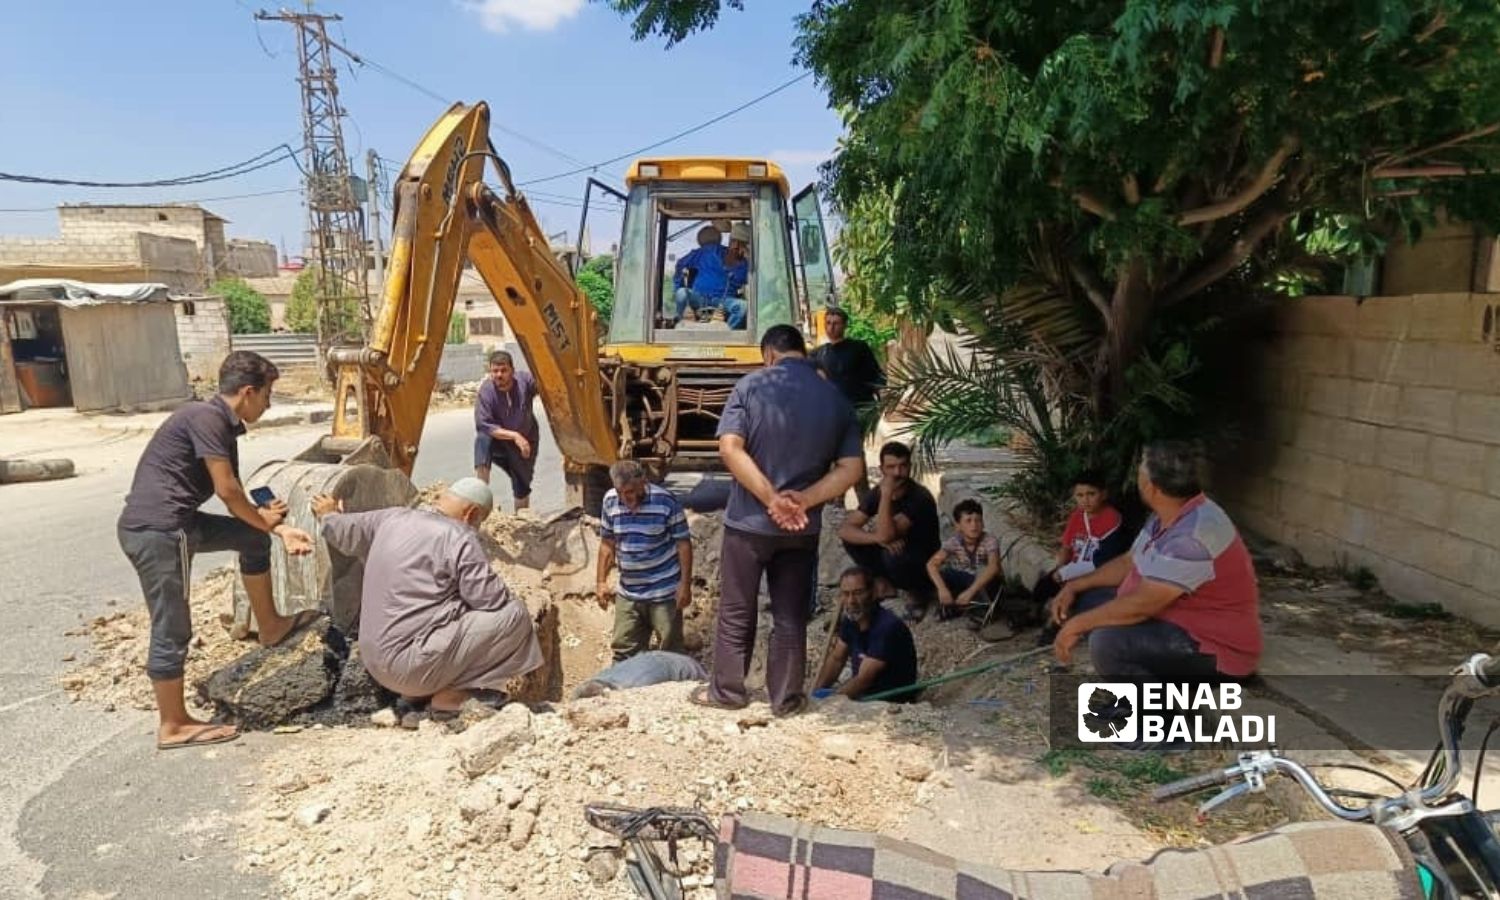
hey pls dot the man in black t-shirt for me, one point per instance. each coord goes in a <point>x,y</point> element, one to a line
<point>895,531</point>
<point>851,366</point>
<point>849,362</point>
<point>194,456</point>
<point>872,639</point>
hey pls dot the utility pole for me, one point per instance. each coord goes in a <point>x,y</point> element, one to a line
<point>372,162</point>
<point>335,222</point>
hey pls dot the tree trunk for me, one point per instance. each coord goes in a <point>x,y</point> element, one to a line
<point>1130,314</point>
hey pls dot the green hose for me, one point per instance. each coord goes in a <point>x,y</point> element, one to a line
<point>961,673</point>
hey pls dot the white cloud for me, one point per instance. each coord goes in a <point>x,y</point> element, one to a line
<point>532,15</point>
<point>799,157</point>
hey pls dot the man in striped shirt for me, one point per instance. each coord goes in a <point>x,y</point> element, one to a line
<point>644,530</point>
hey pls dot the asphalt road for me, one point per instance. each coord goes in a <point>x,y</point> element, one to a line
<point>88,807</point>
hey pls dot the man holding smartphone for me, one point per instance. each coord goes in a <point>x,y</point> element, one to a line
<point>194,456</point>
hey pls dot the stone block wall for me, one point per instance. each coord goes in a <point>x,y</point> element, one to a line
<point>203,336</point>
<point>1380,445</point>
<point>251,259</point>
<point>28,251</point>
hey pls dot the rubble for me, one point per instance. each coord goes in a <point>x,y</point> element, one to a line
<point>271,685</point>
<point>484,745</point>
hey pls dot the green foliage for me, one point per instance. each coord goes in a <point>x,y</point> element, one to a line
<point>249,311</point>
<point>458,328</point>
<point>1141,156</point>
<point>343,317</point>
<point>674,20</point>
<point>596,280</point>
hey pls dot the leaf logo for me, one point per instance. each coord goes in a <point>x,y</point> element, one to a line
<point>1107,712</point>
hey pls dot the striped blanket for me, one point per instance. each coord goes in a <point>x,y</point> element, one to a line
<point>763,857</point>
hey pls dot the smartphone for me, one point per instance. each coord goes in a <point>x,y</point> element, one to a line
<point>262,496</point>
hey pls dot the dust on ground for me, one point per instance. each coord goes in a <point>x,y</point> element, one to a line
<point>357,810</point>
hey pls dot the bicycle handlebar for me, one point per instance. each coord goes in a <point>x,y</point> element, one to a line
<point>1195,783</point>
<point>1476,677</point>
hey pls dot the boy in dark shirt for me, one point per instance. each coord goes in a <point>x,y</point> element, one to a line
<point>874,640</point>
<point>193,456</point>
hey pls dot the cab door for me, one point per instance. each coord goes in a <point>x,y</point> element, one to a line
<point>814,263</point>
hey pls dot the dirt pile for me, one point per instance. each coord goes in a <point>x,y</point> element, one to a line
<point>499,809</point>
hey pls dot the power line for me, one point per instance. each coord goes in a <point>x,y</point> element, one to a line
<point>240,168</point>
<point>681,134</point>
<point>48,209</point>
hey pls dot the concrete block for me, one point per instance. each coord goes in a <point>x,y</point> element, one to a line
<point>1368,486</point>
<point>1492,473</point>
<point>1311,471</point>
<point>1333,316</point>
<point>1320,354</point>
<point>1391,362</point>
<point>1356,441</point>
<point>1419,500</point>
<point>1303,508</point>
<point>1486,572</point>
<point>1427,409</point>
<point>1403,451</point>
<point>1443,317</point>
<point>1312,432</point>
<point>1444,555</point>
<point>1476,517</point>
<point>1383,317</point>
<point>1329,396</point>
<point>1376,403</point>
<point>1460,464</point>
<point>1477,418</point>
<point>1466,367</point>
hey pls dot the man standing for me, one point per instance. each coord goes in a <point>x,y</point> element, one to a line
<point>1183,605</point>
<point>193,456</point>
<point>434,619</point>
<point>643,528</point>
<point>791,442</point>
<point>850,363</point>
<point>903,532</point>
<point>852,367</point>
<point>883,654</point>
<point>506,426</point>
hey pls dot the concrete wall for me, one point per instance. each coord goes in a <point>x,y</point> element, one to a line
<point>174,261</point>
<point>203,336</point>
<point>251,259</point>
<point>27,251</point>
<point>1381,443</point>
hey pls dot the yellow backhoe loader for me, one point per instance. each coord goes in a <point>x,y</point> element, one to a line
<point>651,389</point>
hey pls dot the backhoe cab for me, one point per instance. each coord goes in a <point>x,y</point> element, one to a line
<point>667,377</point>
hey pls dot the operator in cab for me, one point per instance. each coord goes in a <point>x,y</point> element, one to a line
<point>713,277</point>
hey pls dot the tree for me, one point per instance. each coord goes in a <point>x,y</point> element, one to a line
<point>302,310</point>
<point>596,280</point>
<point>1124,162</point>
<point>672,19</point>
<point>249,311</point>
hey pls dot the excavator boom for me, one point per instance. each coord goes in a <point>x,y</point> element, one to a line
<point>445,218</point>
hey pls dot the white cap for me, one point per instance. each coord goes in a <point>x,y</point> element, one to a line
<point>740,232</point>
<point>474,491</point>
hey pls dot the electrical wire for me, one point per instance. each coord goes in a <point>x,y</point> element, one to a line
<point>48,209</point>
<point>240,168</point>
<point>681,134</point>
<point>1366,769</point>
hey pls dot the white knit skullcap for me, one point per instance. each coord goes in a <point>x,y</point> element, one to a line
<point>474,491</point>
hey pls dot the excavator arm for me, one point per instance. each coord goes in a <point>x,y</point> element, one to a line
<point>446,216</point>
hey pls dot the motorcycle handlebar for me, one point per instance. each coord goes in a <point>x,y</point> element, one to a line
<point>1192,784</point>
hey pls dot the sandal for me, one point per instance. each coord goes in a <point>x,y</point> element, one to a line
<point>198,740</point>
<point>494,700</point>
<point>700,697</point>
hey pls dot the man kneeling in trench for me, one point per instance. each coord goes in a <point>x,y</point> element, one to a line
<point>435,621</point>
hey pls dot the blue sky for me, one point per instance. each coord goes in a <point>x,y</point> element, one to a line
<point>107,91</point>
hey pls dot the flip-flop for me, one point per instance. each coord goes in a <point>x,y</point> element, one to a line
<point>700,697</point>
<point>198,740</point>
